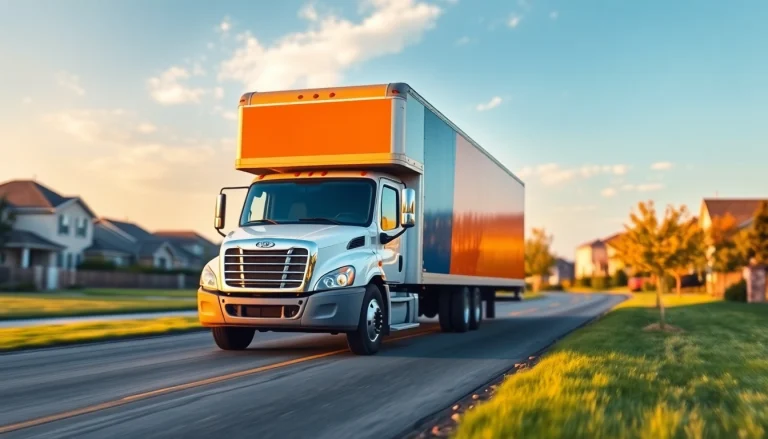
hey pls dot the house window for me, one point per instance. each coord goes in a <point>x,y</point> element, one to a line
<point>388,209</point>
<point>63,225</point>
<point>81,228</point>
<point>69,261</point>
<point>60,260</point>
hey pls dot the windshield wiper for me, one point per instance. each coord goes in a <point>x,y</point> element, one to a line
<point>261,221</point>
<point>319,219</point>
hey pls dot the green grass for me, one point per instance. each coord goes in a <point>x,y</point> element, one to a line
<point>138,293</point>
<point>52,335</point>
<point>612,379</point>
<point>34,305</point>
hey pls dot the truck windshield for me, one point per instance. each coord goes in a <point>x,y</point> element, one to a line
<point>319,201</point>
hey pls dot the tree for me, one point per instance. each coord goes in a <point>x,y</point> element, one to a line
<point>688,251</point>
<point>538,256</point>
<point>725,244</point>
<point>7,219</point>
<point>654,246</point>
<point>755,240</point>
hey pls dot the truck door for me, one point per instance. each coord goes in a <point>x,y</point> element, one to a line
<point>389,223</point>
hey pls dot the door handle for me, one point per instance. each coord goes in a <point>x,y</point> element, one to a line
<point>400,263</point>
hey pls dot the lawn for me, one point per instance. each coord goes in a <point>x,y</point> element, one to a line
<point>612,379</point>
<point>65,304</point>
<point>137,292</point>
<point>48,335</point>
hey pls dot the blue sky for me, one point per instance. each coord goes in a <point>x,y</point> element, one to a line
<point>129,104</point>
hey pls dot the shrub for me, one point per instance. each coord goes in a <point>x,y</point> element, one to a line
<point>737,292</point>
<point>555,287</point>
<point>566,284</point>
<point>621,279</point>
<point>600,282</point>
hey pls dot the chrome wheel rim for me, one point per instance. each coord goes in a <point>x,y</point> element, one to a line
<point>373,320</point>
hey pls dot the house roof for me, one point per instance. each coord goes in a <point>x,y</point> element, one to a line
<point>611,239</point>
<point>182,235</point>
<point>742,209</point>
<point>592,243</point>
<point>23,238</point>
<point>128,238</point>
<point>133,230</point>
<point>31,194</point>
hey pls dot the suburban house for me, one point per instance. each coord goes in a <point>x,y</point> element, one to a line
<point>49,229</point>
<point>598,258</point>
<point>742,210</point>
<point>123,243</point>
<point>591,259</point>
<point>195,250</point>
<point>562,271</point>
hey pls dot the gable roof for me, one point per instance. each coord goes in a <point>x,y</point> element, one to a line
<point>30,194</point>
<point>742,209</point>
<point>183,235</point>
<point>133,230</point>
<point>128,238</point>
<point>593,243</point>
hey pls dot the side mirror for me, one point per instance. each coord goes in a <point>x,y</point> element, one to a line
<point>221,212</point>
<point>408,208</point>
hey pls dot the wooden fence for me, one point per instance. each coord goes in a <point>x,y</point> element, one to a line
<point>49,278</point>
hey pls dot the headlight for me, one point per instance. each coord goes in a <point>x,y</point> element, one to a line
<point>343,277</point>
<point>208,279</point>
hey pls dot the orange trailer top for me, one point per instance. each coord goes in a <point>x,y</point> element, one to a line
<point>328,127</point>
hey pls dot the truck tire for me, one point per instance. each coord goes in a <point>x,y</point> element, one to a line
<point>233,338</point>
<point>476,303</point>
<point>461,309</point>
<point>444,311</point>
<point>366,339</point>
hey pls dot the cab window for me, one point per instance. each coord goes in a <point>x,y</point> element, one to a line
<point>388,208</point>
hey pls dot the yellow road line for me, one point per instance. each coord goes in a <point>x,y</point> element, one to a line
<point>166,390</point>
<point>525,311</point>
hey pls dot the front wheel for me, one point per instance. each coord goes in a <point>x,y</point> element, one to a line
<point>476,304</point>
<point>366,339</point>
<point>233,338</point>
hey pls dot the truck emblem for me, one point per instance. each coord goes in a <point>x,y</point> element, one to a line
<point>265,244</point>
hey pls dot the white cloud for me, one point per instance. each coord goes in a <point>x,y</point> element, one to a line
<point>167,88</point>
<point>493,103</point>
<point>514,21</point>
<point>330,45</point>
<point>553,15</point>
<point>552,173</point>
<point>146,128</point>
<point>27,100</point>
<point>218,93</point>
<point>308,12</point>
<point>462,41</point>
<point>224,26</point>
<point>608,192</point>
<point>197,69</point>
<point>649,187</point>
<point>661,166</point>
<point>119,153</point>
<point>576,209</point>
<point>226,114</point>
<point>70,82</point>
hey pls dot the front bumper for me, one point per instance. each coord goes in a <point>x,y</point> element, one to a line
<point>333,310</point>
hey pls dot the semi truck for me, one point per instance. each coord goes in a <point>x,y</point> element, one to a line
<point>368,209</point>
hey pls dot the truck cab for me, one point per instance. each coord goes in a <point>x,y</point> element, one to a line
<point>306,249</point>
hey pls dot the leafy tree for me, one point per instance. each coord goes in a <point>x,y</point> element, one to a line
<point>655,246</point>
<point>755,240</point>
<point>538,256</point>
<point>725,244</point>
<point>7,219</point>
<point>688,250</point>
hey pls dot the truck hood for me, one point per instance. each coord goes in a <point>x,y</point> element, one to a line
<point>323,235</point>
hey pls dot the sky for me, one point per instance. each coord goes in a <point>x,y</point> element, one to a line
<point>596,105</point>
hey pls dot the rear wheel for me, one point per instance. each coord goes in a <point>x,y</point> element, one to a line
<point>233,338</point>
<point>366,339</point>
<point>461,310</point>
<point>476,304</point>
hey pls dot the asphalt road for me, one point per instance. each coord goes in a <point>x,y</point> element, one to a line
<point>284,386</point>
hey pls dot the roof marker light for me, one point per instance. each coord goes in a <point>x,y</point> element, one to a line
<point>261,177</point>
<point>315,95</point>
<point>324,173</point>
<point>332,95</point>
<point>297,174</point>
<point>301,96</point>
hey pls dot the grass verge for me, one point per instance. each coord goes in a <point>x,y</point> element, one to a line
<point>53,335</point>
<point>614,379</point>
<point>24,306</point>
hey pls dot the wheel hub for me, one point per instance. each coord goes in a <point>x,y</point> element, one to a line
<point>374,320</point>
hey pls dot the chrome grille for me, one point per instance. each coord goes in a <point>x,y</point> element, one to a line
<point>273,269</point>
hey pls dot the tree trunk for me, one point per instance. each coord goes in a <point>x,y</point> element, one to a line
<point>660,302</point>
<point>678,284</point>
